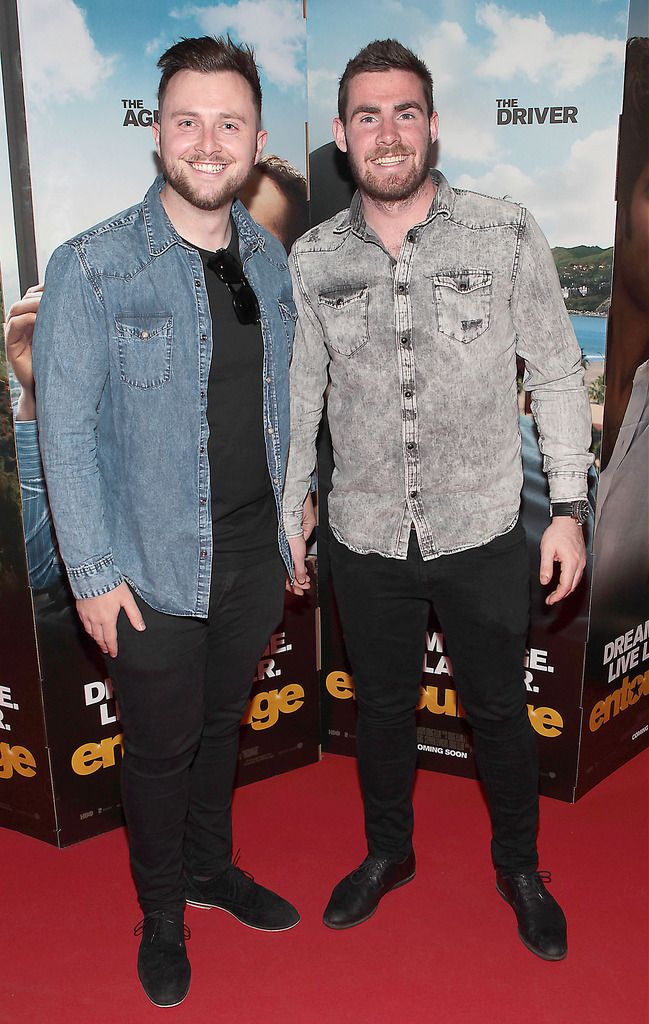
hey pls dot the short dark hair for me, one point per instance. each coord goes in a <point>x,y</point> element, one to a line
<point>385,55</point>
<point>633,147</point>
<point>206,54</point>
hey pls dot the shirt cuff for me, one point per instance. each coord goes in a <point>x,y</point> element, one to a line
<point>293,523</point>
<point>93,579</point>
<point>567,486</point>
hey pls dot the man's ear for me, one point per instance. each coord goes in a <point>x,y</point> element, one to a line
<point>434,126</point>
<point>155,128</point>
<point>262,136</point>
<point>339,135</point>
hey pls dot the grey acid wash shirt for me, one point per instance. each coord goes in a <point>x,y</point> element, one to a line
<point>421,357</point>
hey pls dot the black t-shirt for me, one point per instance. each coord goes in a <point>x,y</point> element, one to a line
<point>244,516</point>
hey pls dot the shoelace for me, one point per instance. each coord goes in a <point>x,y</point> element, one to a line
<point>370,868</point>
<point>533,883</point>
<point>240,881</point>
<point>161,917</point>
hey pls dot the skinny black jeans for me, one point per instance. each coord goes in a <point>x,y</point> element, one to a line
<point>481,597</point>
<point>182,687</point>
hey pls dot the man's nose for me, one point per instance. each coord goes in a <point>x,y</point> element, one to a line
<point>387,133</point>
<point>209,141</point>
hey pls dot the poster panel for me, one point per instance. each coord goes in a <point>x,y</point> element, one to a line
<point>616,685</point>
<point>528,108</point>
<point>281,726</point>
<point>25,786</point>
<point>90,82</point>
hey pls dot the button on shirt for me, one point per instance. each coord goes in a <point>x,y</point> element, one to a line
<point>421,357</point>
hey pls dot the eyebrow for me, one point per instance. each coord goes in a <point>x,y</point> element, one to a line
<point>406,105</point>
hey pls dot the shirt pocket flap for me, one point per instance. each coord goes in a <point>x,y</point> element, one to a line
<point>344,316</point>
<point>463,303</point>
<point>144,342</point>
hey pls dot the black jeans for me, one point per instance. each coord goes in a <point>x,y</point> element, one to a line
<point>481,597</point>
<point>182,686</point>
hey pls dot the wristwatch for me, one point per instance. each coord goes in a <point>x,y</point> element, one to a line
<point>578,510</point>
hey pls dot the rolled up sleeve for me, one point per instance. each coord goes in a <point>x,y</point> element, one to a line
<point>308,381</point>
<point>554,375</point>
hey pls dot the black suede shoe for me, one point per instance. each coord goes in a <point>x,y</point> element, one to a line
<point>357,896</point>
<point>162,964</point>
<point>541,921</point>
<point>236,892</point>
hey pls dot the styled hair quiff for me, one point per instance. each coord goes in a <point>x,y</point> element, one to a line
<point>385,55</point>
<point>207,54</point>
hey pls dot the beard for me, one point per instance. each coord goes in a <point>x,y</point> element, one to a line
<point>395,187</point>
<point>221,192</point>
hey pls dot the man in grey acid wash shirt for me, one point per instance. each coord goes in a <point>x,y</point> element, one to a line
<point>415,303</point>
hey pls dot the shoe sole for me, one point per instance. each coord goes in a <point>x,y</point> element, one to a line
<point>255,927</point>
<point>528,945</point>
<point>165,1006</point>
<point>362,920</point>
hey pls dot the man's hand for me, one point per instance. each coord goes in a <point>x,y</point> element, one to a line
<point>298,550</point>
<point>99,616</point>
<point>19,332</point>
<point>562,542</point>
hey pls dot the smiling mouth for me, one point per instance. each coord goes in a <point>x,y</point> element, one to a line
<point>390,161</point>
<point>206,168</point>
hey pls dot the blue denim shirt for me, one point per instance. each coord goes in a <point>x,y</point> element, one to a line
<point>420,355</point>
<point>122,352</point>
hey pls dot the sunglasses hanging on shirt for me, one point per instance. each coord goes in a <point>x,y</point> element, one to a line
<point>228,270</point>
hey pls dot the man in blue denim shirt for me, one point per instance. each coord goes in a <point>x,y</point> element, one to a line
<point>413,305</point>
<point>165,468</point>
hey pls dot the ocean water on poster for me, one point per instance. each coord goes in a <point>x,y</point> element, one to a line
<point>591,334</point>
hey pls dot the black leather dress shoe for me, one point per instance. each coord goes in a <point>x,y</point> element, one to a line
<point>358,895</point>
<point>541,921</point>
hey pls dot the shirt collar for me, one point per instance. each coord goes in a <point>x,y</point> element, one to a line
<point>161,234</point>
<point>354,219</point>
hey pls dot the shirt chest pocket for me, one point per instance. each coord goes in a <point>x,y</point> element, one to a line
<point>463,303</point>
<point>344,318</point>
<point>144,343</point>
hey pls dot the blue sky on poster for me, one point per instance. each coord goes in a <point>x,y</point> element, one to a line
<point>541,52</point>
<point>81,59</point>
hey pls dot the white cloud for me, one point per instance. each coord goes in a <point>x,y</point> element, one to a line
<point>569,215</point>
<point>466,135</point>
<point>530,47</point>
<point>154,46</point>
<point>60,59</point>
<point>274,28</point>
<point>323,90</point>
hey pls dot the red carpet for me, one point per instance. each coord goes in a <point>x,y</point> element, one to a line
<point>442,949</point>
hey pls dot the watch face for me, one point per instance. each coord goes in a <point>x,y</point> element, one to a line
<point>581,511</point>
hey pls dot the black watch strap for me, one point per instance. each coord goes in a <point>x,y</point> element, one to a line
<point>578,510</point>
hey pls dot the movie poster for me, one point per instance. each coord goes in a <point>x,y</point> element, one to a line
<point>616,684</point>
